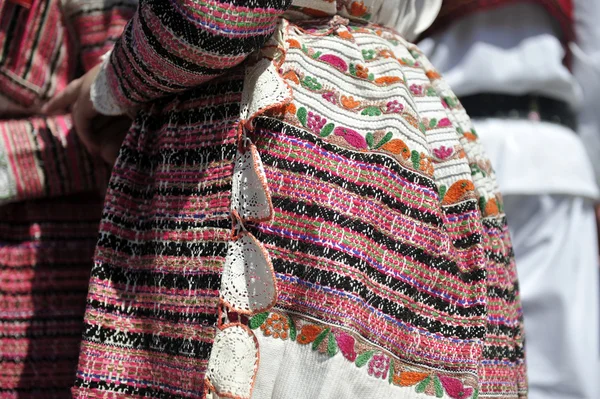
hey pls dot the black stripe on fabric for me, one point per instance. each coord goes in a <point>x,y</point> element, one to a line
<point>499,258</point>
<point>148,342</point>
<point>205,319</point>
<point>110,388</point>
<point>200,38</point>
<point>468,241</point>
<point>358,226</point>
<point>511,353</point>
<point>282,128</point>
<point>349,284</point>
<point>10,31</point>
<point>169,224</point>
<point>324,278</point>
<point>458,209</point>
<point>38,34</point>
<point>502,330</point>
<point>363,190</point>
<point>156,279</point>
<point>509,296</point>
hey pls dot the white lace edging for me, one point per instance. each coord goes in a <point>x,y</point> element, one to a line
<point>248,285</point>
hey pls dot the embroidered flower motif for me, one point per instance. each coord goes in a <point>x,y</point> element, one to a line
<point>394,107</point>
<point>276,326</point>
<point>379,366</point>
<point>312,83</point>
<point>416,89</point>
<point>308,334</point>
<point>330,96</point>
<point>346,344</point>
<point>444,122</point>
<point>335,61</point>
<point>349,102</point>
<point>351,136</point>
<point>368,54</point>
<point>358,9</point>
<point>443,152</point>
<point>362,71</point>
<point>315,122</point>
<point>455,388</point>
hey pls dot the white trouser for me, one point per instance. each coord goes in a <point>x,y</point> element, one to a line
<point>554,239</point>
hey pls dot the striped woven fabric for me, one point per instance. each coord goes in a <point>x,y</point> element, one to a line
<point>48,229</point>
<point>319,221</point>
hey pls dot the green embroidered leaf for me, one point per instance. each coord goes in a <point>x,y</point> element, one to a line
<point>439,390</point>
<point>476,394</point>
<point>474,169</point>
<point>352,69</point>
<point>460,131</point>
<point>474,132</point>
<point>363,358</point>
<point>423,385</point>
<point>292,328</point>
<point>482,204</point>
<point>327,129</point>
<point>371,111</point>
<point>433,123</point>
<point>415,157</point>
<point>320,339</point>
<point>442,192</point>
<point>369,138</point>
<point>258,320</point>
<point>391,371</point>
<point>317,55</point>
<point>332,347</point>
<point>302,114</point>
<point>367,17</point>
<point>304,48</point>
<point>422,127</point>
<point>430,92</point>
<point>385,139</point>
<point>371,77</point>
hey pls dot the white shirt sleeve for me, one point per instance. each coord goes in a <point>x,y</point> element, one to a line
<point>586,69</point>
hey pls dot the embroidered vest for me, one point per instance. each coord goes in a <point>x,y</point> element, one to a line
<point>561,10</point>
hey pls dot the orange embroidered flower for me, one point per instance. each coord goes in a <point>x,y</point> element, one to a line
<point>291,109</point>
<point>358,9</point>
<point>386,54</point>
<point>387,80</point>
<point>344,34</point>
<point>277,326</point>
<point>308,334</point>
<point>409,378</point>
<point>397,147</point>
<point>457,191</point>
<point>362,71</point>
<point>433,75</point>
<point>491,208</point>
<point>293,76</point>
<point>470,136</point>
<point>293,43</point>
<point>349,102</point>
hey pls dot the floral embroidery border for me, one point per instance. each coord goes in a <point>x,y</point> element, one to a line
<point>332,341</point>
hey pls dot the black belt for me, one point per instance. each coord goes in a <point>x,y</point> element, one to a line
<point>520,107</point>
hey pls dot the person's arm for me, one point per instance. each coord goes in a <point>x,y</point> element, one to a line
<point>172,45</point>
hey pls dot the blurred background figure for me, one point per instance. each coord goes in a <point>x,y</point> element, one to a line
<point>536,109</point>
<point>51,191</point>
